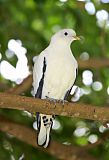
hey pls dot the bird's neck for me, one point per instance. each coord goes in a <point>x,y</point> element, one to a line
<point>59,46</point>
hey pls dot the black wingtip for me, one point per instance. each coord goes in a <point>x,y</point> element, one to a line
<point>38,119</point>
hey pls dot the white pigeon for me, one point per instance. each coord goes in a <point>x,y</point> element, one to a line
<point>54,74</point>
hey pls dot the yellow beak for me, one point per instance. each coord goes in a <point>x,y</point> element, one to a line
<point>77,38</point>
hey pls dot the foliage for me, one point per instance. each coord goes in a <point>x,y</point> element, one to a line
<point>34,22</point>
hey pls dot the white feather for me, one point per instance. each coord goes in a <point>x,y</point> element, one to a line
<point>43,136</point>
<point>42,133</point>
<point>59,76</point>
<point>60,72</point>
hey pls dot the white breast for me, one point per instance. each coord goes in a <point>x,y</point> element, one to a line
<point>60,75</point>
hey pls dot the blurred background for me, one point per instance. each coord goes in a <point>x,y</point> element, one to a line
<point>26,27</point>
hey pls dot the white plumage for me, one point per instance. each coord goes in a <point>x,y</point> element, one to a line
<point>54,74</point>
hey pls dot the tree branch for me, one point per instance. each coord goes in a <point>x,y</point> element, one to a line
<point>56,149</point>
<point>3,86</point>
<point>25,85</point>
<point>44,106</point>
<point>93,63</point>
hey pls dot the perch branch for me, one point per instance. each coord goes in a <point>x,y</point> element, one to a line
<point>44,106</point>
<point>56,149</point>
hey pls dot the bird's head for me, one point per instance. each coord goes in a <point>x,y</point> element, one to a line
<point>65,36</point>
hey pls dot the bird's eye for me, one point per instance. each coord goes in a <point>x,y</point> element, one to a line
<point>65,33</point>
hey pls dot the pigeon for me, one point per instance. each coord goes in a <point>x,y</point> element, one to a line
<point>54,74</point>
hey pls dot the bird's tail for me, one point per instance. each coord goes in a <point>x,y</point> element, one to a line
<point>44,125</point>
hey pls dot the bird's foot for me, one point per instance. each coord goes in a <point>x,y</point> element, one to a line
<point>63,102</point>
<point>56,101</point>
<point>52,100</point>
